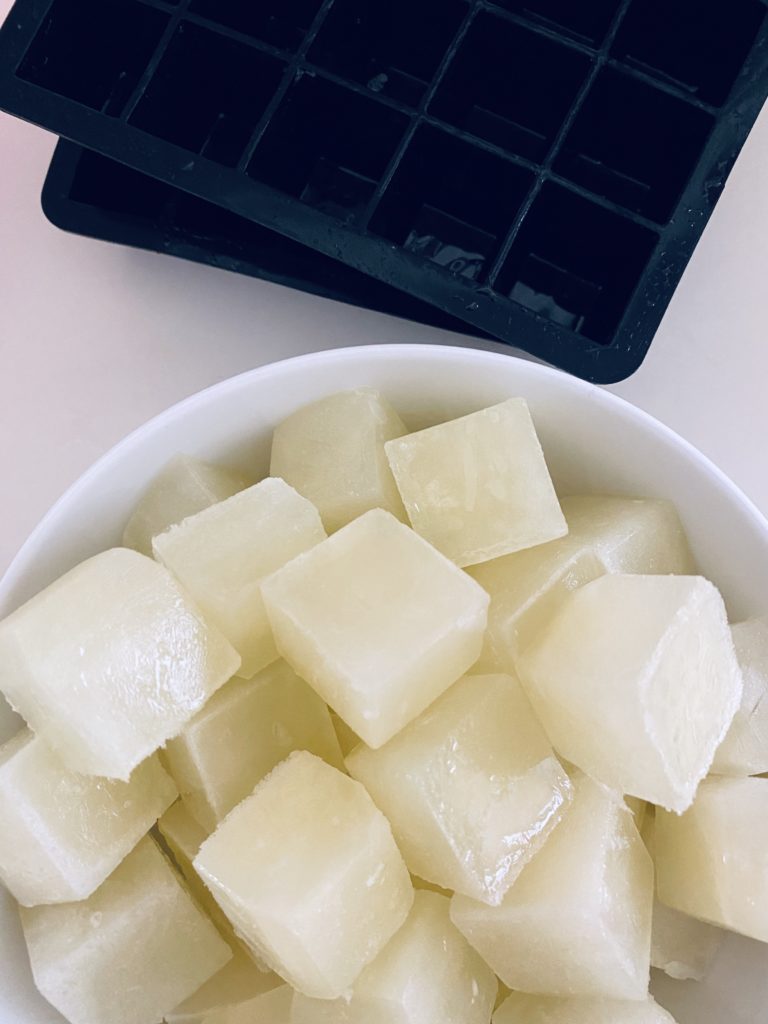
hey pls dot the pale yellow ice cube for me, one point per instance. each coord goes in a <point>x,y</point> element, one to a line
<point>427,974</point>
<point>236,985</point>
<point>478,487</point>
<point>471,788</point>
<point>377,621</point>
<point>63,834</point>
<point>308,872</point>
<point>182,488</point>
<point>243,731</point>
<point>711,862</point>
<point>332,452</point>
<point>605,534</point>
<point>221,555</point>
<point>744,751</point>
<point>526,1009</point>
<point>129,953</point>
<point>577,922</point>
<point>110,661</point>
<point>681,946</point>
<point>636,681</point>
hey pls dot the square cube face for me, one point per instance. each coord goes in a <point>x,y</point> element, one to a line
<point>744,751</point>
<point>427,973</point>
<point>129,953</point>
<point>577,922</point>
<point>63,834</point>
<point>332,452</point>
<point>711,862</point>
<point>243,731</point>
<point>221,555</point>
<point>471,788</point>
<point>184,487</point>
<point>337,862</point>
<point>110,661</point>
<point>524,1009</point>
<point>478,487</point>
<point>636,681</point>
<point>377,621</point>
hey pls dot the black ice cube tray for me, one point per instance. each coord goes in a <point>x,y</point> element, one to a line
<point>90,194</point>
<point>541,169</point>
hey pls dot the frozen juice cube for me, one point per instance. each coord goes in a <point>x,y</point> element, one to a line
<point>427,974</point>
<point>712,862</point>
<point>221,555</point>
<point>744,751</point>
<point>471,788</point>
<point>332,452</point>
<point>577,922</point>
<point>243,731</point>
<point>62,833</point>
<point>185,486</point>
<point>519,1008</point>
<point>110,661</point>
<point>681,946</point>
<point>129,953</point>
<point>377,621</point>
<point>238,983</point>
<point>478,487</point>
<point>636,681</point>
<point>308,872</point>
<point>605,534</point>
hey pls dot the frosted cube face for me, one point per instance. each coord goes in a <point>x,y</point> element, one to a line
<point>377,621</point>
<point>129,953</point>
<point>243,731</point>
<point>64,833</point>
<point>681,946</point>
<point>427,974</point>
<point>110,661</point>
<point>744,751</point>
<point>711,862</point>
<point>636,681</point>
<point>308,872</point>
<point>332,452</point>
<point>471,788</point>
<point>478,487</point>
<point>577,922</point>
<point>221,555</point>
<point>236,985</point>
<point>605,534</point>
<point>525,1009</point>
<point>184,487</point>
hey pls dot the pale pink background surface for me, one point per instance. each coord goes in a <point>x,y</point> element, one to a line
<point>95,339</point>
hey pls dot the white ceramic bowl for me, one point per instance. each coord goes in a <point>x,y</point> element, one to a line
<point>593,442</point>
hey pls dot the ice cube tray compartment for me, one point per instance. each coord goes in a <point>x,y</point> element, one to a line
<point>539,168</point>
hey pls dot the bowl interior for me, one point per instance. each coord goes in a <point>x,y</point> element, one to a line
<point>594,442</point>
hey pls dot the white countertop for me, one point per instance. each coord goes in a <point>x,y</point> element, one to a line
<point>95,339</point>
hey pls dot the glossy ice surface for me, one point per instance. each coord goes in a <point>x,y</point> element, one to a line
<point>332,452</point>
<point>308,872</point>
<point>478,487</point>
<point>62,834</point>
<point>525,1009</point>
<point>427,974</point>
<point>377,621</point>
<point>681,946</point>
<point>744,751</point>
<point>221,555</point>
<point>110,661</point>
<point>636,681</point>
<point>606,534</point>
<point>185,486</point>
<point>243,731</point>
<point>129,953</point>
<point>237,984</point>
<point>471,788</point>
<point>577,922</point>
<point>712,862</point>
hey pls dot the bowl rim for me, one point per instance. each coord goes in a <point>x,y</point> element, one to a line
<point>384,353</point>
